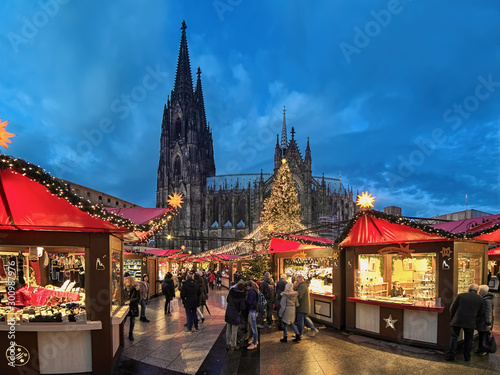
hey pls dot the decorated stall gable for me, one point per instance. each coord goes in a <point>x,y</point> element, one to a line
<point>370,227</point>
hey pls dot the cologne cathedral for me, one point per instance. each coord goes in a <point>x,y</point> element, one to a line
<point>219,209</point>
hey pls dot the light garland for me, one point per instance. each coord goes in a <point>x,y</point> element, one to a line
<point>60,189</point>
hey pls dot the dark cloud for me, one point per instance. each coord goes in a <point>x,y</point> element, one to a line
<point>73,91</point>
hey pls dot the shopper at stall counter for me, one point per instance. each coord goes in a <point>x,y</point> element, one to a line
<point>486,323</point>
<point>397,290</point>
<point>190,296</point>
<point>168,290</point>
<point>465,312</point>
<point>132,297</point>
<point>303,308</point>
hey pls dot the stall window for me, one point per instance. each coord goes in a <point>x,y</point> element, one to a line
<point>318,272</point>
<point>470,268</point>
<point>393,278</point>
<point>116,278</point>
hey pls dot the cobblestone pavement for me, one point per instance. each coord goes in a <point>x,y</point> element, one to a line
<point>163,346</point>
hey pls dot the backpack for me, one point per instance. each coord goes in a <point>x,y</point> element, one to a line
<point>261,300</point>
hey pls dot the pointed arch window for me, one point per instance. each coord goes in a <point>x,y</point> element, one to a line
<point>178,127</point>
<point>177,167</point>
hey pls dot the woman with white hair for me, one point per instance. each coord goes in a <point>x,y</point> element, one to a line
<point>287,311</point>
<point>486,325</point>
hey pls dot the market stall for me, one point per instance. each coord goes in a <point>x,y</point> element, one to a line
<point>321,264</point>
<point>61,276</point>
<point>402,276</point>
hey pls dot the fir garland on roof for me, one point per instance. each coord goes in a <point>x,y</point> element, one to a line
<point>288,237</point>
<point>396,220</point>
<point>60,189</point>
<point>491,229</point>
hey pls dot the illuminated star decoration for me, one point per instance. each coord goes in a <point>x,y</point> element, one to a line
<point>335,255</point>
<point>4,134</point>
<point>175,200</point>
<point>390,322</point>
<point>365,200</point>
<point>446,251</point>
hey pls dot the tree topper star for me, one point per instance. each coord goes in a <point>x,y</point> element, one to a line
<point>365,200</point>
<point>175,200</point>
<point>4,134</point>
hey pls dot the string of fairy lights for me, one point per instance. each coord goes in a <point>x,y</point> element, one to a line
<point>61,190</point>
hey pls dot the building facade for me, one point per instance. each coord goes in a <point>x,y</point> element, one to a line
<point>219,209</point>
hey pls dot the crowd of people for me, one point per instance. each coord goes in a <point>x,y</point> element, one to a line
<point>254,304</point>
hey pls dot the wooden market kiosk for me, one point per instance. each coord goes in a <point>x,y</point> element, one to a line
<point>321,264</point>
<point>38,210</point>
<point>431,265</point>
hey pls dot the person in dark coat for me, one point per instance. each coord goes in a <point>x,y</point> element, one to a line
<point>303,309</point>
<point>280,287</point>
<point>486,323</point>
<point>190,296</point>
<point>235,304</point>
<point>218,279</point>
<point>268,289</point>
<point>251,305</point>
<point>198,279</point>
<point>466,312</point>
<point>168,290</point>
<point>132,297</point>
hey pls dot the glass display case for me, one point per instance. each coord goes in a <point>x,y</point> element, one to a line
<point>469,270</point>
<point>133,267</point>
<point>409,280</point>
<point>318,272</point>
<point>116,279</point>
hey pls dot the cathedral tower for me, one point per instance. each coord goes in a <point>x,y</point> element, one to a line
<point>186,150</point>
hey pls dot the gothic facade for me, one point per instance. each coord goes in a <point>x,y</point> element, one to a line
<point>218,209</point>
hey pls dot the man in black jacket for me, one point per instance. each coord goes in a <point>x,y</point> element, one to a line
<point>466,312</point>
<point>168,290</point>
<point>190,295</point>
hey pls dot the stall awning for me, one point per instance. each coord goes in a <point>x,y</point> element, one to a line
<point>283,243</point>
<point>27,204</point>
<point>373,227</point>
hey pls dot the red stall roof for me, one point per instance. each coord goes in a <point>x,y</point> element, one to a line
<point>282,243</point>
<point>27,204</point>
<point>371,227</point>
<point>469,225</point>
<point>139,215</point>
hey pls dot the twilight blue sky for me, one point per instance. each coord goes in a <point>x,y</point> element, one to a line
<point>402,97</point>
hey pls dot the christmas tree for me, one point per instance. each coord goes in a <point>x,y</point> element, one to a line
<point>257,266</point>
<point>281,212</point>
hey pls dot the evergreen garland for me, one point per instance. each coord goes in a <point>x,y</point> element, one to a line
<point>60,189</point>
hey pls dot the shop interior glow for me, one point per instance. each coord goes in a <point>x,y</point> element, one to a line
<point>365,200</point>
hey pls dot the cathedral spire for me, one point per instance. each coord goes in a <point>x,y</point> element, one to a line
<point>183,86</point>
<point>307,157</point>
<point>284,141</point>
<point>198,94</point>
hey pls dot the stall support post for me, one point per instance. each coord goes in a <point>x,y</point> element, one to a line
<point>98,301</point>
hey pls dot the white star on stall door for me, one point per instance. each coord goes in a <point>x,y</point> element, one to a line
<point>390,322</point>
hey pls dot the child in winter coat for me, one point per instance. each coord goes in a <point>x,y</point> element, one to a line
<point>287,311</point>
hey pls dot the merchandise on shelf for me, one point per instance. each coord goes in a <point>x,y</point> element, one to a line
<point>415,275</point>
<point>133,267</point>
<point>317,271</point>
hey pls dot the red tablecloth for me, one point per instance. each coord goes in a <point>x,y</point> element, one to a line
<point>39,296</point>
